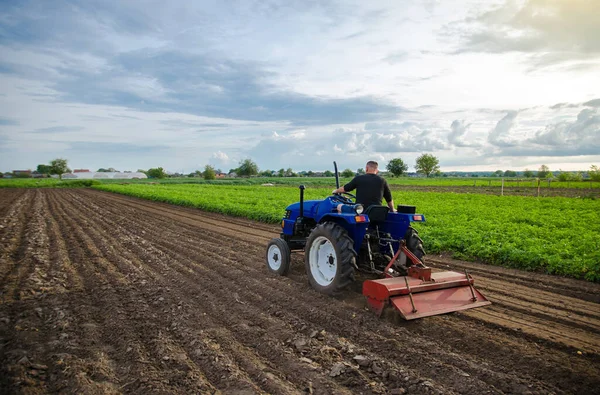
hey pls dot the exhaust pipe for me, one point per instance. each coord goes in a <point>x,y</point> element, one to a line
<point>302,188</point>
<point>337,177</point>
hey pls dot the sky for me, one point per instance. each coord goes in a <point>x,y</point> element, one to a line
<point>481,85</point>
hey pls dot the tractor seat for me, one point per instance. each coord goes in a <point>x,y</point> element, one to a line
<point>377,213</point>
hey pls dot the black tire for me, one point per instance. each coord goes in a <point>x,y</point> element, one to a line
<point>414,243</point>
<point>331,243</point>
<point>278,257</point>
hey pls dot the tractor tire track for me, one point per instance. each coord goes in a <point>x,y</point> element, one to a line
<point>146,297</point>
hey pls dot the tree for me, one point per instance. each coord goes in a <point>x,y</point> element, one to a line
<point>510,173</point>
<point>543,171</point>
<point>44,169</point>
<point>247,168</point>
<point>59,166</point>
<point>347,173</point>
<point>328,173</point>
<point>266,173</point>
<point>427,164</point>
<point>594,173</point>
<point>397,167</point>
<point>360,170</point>
<point>290,173</point>
<point>527,173</point>
<point>156,173</point>
<point>498,173</point>
<point>209,173</point>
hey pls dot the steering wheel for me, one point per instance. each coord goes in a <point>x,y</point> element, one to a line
<point>343,199</point>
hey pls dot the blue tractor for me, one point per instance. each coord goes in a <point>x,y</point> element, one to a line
<point>340,237</point>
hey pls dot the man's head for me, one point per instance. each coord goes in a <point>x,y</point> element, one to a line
<point>372,167</point>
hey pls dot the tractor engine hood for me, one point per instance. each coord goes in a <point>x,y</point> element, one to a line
<point>310,208</point>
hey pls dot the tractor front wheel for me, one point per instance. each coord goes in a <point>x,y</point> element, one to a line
<point>329,258</point>
<point>278,257</point>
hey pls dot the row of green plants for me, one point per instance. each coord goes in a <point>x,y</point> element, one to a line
<point>46,183</point>
<point>313,181</point>
<point>552,235</point>
<point>399,181</point>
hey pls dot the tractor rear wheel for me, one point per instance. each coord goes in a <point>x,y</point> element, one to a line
<point>329,258</point>
<point>414,243</point>
<point>278,257</point>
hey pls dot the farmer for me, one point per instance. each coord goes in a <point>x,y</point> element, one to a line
<point>370,188</point>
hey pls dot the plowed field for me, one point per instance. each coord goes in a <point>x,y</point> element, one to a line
<point>101,293</point>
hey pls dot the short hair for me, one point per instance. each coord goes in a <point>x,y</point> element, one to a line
<point>372,164</point>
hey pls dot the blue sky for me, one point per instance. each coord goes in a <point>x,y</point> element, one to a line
<point>139,84</point>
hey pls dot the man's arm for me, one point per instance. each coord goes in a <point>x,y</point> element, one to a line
<point>391,206</point>
<point>346,188</point>
<point>387,194</point>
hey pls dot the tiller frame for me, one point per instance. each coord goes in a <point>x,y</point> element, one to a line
<point>422,293</point>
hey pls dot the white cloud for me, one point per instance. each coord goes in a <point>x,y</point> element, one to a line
<point>182,84</point>
<point>500,135</point>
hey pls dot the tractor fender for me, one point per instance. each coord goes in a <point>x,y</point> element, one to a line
<point>356,230</point>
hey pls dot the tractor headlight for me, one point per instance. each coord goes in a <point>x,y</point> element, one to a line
<point>359,208</point>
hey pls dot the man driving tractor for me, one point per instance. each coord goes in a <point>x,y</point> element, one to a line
<point>370,188</point>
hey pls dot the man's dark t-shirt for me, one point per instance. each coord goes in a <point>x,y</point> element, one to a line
<point>370,189</point>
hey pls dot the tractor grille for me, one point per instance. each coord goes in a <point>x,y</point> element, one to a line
<point>288,213</point>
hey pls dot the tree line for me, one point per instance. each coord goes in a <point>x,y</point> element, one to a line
<point>426,164</point>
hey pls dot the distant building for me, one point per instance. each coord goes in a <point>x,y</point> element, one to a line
<point>81,171</point>
<point>21,173</point>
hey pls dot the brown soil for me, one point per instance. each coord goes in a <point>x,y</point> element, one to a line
<point>101,293</point>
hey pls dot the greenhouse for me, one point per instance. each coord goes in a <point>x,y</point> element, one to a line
<point>90,175</point>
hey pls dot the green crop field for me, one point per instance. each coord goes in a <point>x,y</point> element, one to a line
<point>408,181</point>
<point>530,183</point>
<point>44,183</point>
<point>554,235</point>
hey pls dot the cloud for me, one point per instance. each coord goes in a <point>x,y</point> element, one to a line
<point>207,85</point>
<point>592,103</point>
<point>458,130</point>
<point>585,130</point>
<point>389,126</point>
<point>417,141</point>
<point>565,138</point>
<point>563,105</point>
<point>500,135</point>
<point>166,58</point>
<point>58,129</point>
<point>8,122</point>
<point>397,57</point>
<point>191,83</point>
<point>279,146</point>
<point>220,160</point>
<point>555,30</point>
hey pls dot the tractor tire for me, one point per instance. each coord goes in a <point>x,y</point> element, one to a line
<point>414,243</point>
<point>278,257</point>
<point>329,258</point>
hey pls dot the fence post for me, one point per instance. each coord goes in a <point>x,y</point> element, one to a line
<point>538,182</point>
<point>502,189</point>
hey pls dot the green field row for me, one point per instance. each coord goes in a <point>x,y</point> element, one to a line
<point>313,181</point>
<point>554,235</point>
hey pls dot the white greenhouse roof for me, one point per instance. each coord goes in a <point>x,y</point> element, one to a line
<point>89,175</point>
